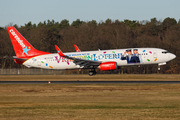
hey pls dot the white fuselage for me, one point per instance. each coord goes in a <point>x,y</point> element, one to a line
<point>145,56</point>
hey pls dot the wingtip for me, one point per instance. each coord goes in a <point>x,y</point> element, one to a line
<point>59,51</point>
<point>75,45</point>
<point>77,49</point>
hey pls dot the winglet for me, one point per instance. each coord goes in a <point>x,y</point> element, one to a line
<point>59,51</point>
<point>77,49</point>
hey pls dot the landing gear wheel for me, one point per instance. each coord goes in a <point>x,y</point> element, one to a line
<point>91,73</point>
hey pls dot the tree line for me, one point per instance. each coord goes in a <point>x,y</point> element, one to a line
<point>91,35</point>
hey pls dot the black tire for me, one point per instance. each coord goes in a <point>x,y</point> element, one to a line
<point>91,73</point>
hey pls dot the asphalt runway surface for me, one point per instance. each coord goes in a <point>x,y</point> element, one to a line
<point>89,82</point>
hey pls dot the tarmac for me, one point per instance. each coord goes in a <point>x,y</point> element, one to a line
<point>89,82</point>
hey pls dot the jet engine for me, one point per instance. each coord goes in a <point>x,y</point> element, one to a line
<point>108,66</point>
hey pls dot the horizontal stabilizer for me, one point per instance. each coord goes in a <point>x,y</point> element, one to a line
<point>14,57</point>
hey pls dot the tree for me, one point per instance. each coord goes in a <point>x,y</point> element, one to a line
<point>64,23</point>
<point>131,24</point>
<point>1,28</point>
<point>108,21</point>
<point>168,22</point>
<point>153,27</point>
<point>77,23</point>
<point>93,23</point>
<point>44,23</point>
<point>154,20</point>
<point>29,25</point>
<point>40,24</point>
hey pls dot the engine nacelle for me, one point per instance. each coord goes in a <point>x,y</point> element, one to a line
<point>108,66</point>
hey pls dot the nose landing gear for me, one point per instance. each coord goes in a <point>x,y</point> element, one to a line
<point>160,65</point>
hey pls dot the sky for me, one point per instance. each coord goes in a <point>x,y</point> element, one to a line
<point>21,12</point>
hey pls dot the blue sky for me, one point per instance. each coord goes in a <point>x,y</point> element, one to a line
<point>22,11</point>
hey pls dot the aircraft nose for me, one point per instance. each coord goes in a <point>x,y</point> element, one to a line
<point>172,56</point>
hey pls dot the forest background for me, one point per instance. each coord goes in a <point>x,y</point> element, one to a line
<point>91,35</point>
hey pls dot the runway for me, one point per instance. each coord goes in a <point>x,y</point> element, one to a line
<point>89,82</point>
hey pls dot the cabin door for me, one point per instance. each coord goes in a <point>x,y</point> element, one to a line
<point>39,62</point>
<point>155,54</point>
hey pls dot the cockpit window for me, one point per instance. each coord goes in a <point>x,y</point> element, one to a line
<point>164,52</point>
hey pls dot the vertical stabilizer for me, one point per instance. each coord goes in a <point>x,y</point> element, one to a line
<point>22,47</point>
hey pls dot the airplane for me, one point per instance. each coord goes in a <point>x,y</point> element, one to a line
<point>105,60</point>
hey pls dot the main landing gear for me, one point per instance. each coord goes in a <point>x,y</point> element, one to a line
<point>92,72</point>
<point>160,65</point>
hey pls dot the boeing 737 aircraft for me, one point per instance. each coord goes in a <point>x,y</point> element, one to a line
<point>27,55</point>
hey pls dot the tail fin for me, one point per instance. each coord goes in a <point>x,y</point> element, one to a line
<point>77,49</point>
<point>22,47</point>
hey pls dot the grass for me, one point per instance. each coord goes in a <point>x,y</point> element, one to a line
<point>82,102</point>
<point>99,77</point>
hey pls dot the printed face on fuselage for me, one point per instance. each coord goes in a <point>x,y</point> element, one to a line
<point>129,52</point>
<point>135,51</point>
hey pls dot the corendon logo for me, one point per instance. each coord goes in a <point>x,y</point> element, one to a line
<point>109,64</point>
<point>17,38</point>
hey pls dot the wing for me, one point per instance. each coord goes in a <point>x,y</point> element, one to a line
<point>82,62</point>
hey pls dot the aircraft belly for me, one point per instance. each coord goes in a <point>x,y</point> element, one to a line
<point>65,66</point>
<point>62,65</point>
<point>121,63</point>
<point>49,64</point>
